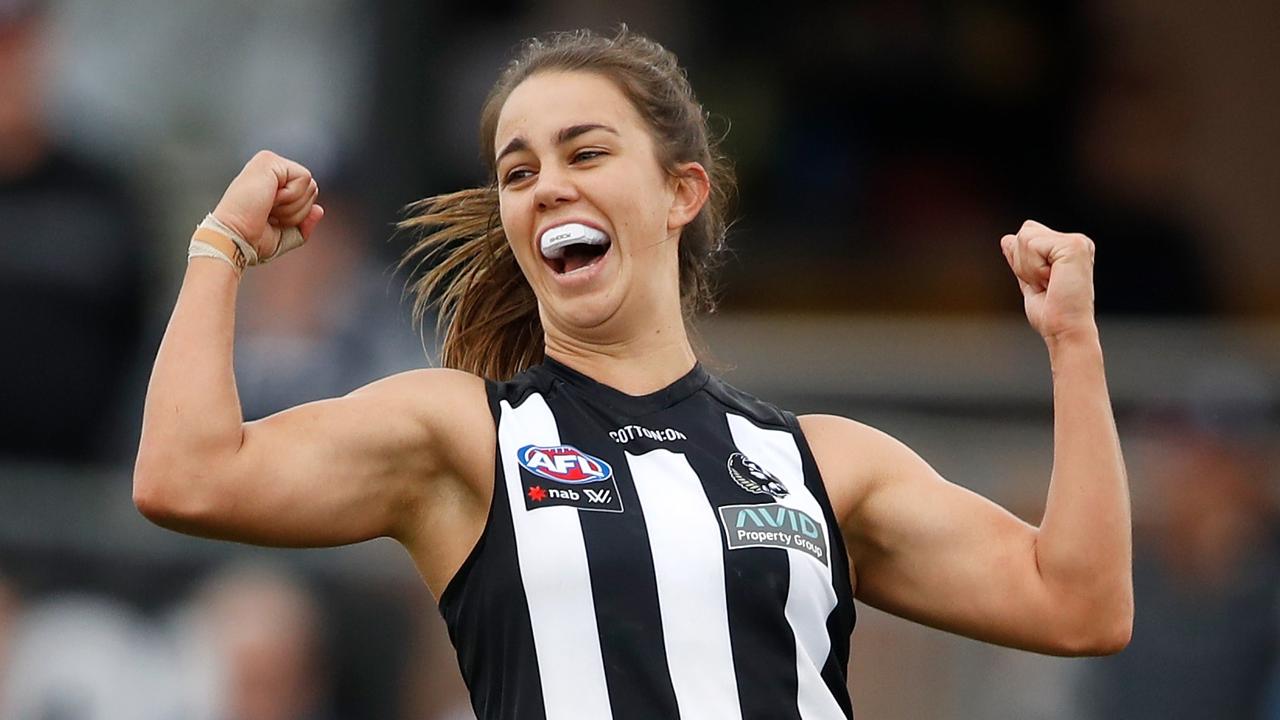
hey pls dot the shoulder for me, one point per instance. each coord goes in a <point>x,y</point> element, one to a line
<point>760,411</point>
<point>853,457</point>
<point>427,386</point>
<point>444,404</point>
<point>444,415</point>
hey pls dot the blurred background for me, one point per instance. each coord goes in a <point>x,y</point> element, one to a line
<point>882,147</point>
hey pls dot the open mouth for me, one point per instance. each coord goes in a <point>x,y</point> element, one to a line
<point>572,247</point>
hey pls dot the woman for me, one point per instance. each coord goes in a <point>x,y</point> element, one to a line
<point>610,531</point>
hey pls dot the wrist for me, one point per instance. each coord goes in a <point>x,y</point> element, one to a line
<point>227,220</point>
<point>213,239</point>
<point>1080,336</point>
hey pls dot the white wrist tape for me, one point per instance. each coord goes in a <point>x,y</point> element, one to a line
<point>246,250</point>
<point>214,239</point>
<point>199,248</point>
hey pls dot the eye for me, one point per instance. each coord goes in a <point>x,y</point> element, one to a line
<point>516,175</point>
<point>585,155</point>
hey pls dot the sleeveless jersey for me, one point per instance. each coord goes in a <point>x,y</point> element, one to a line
<point>672,555</point>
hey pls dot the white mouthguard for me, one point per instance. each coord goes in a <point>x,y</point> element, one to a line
<point>556,239</point>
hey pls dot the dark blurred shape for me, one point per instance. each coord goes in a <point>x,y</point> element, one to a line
<point>85,657</point>
<point>251,639</point>
<point>71,285</point>
<point>1131,142</point>
<point>324,323</point>
<point>1206,565</point>
<point>9,608</point>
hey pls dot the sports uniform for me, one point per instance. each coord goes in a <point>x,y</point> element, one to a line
<point>658,556</point>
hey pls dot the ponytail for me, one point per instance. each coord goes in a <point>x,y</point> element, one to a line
<point>486,311</point>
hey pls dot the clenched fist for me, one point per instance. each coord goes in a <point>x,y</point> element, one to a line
<point>270,195</point>
<point>1055,272</point>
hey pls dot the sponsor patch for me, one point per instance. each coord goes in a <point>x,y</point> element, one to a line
<point>563,475</point>
<point>628,433</point>
<point>751,477</point>
<point>774,526</point>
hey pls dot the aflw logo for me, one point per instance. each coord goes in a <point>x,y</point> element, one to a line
<point>598,496</point>
<point>563,463</point>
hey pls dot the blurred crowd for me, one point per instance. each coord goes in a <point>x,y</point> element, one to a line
<point>882,149</point>
<point>249,641</point>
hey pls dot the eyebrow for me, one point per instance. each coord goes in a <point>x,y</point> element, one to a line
<point>565,135</point>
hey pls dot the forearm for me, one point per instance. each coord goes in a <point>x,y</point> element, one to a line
<point>192,411</point>
<point>1084,547</point>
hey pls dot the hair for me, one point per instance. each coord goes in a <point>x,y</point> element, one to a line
<point>486,311</point>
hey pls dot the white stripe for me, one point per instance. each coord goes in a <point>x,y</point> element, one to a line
<point>688,562</point>
<point>811,596</point>
<point>553,568</point>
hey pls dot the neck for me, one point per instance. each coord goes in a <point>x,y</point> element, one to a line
<point>636,365</point>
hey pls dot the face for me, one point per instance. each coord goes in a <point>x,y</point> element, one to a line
<point>577,163</point>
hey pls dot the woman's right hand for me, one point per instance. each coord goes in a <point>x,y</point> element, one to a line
<point>272,193</point>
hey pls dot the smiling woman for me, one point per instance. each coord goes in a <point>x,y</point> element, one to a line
<point>611,531</point>
<point>488,313</point>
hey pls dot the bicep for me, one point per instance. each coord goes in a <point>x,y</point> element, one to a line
<point>929,550</point>
<point>346,469</point>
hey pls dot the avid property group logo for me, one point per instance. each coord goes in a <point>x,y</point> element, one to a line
<point>564,475</point>
<point>770,524</point>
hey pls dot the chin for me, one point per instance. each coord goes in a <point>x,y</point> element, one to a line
<point>584,312</point>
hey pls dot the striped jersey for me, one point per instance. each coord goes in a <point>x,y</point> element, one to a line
<point>671,555</point>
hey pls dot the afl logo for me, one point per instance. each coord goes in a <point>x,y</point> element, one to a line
<point>563,463</point>
<point>753,478</point>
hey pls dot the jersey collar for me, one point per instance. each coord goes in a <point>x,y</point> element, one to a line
<point>684,387</point>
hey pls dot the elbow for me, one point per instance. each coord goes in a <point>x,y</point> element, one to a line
<point>1119,641</point>
<point>151,501</point>
<point>1106,631</point>
<point>1121,629</point>
<point>163,494</point>
<point>1109,639</point>
<point>153,494</point>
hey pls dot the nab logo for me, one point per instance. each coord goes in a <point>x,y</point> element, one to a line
<point>564,463</point>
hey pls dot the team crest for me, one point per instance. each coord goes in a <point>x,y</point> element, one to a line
<point>751,477</point>
<point>564,464</point>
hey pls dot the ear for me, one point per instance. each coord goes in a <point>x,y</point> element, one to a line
<point>690,189</point>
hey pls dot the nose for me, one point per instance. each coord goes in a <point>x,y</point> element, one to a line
<point>555,187</point>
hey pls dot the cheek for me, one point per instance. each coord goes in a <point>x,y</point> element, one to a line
<point>506,215</point>
<point>513,224</point>
<point>639,210</point>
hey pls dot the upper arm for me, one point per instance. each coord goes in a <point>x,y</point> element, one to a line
<point>341,470</point>
<point>932,551</point>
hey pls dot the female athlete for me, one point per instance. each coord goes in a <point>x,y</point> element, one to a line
<point>611,531</point>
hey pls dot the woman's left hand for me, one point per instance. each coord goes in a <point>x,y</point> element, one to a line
<point>1055,272</point>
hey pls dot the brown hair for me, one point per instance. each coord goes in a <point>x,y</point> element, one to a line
<point>487,313</point>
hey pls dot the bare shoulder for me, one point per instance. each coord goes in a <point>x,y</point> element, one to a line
<point>449,406</point>
<point>853,457</point>
<point>427,386</point>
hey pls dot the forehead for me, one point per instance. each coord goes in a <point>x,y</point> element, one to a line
<point>546,102</point>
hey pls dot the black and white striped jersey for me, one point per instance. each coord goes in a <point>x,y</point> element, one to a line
<point>672,555</point>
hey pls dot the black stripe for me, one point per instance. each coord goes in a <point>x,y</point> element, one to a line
<point>842,619</point>
<point>623,583</point>
<point>756,586</point>
<point>485,608</point>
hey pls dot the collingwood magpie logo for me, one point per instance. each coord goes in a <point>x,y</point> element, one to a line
<point>753,478</point>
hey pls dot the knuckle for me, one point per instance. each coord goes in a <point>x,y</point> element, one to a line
<point>1080,242</point>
